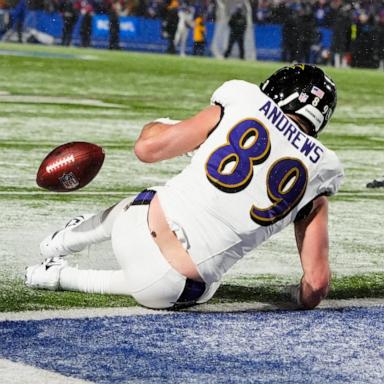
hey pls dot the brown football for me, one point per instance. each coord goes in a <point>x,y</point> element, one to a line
<point>70,166</point>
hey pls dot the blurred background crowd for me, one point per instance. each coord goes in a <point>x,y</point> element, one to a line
<point>357,26</point>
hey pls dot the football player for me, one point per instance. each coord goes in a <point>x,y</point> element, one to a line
<point>257,167</point>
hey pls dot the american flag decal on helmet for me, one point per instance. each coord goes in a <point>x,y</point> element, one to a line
<point>317,92</point>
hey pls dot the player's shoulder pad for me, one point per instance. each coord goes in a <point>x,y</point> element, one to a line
<point>233,91</point>
<point>331,173</point>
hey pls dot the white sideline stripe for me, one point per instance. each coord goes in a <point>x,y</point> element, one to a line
<point>12,373</point>
<point>256,306</point>
<point>79,313</point>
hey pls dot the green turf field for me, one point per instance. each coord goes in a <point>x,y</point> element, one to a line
<point>49,96</point>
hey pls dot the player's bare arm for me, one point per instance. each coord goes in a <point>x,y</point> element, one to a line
<point>313,245</point>
<point>159,141</point>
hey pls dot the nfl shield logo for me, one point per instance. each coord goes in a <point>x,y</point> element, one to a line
<point>69,181</point>
<point>303,97</point>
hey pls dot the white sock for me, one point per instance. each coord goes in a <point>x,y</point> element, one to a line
<point>94,230</point>
<point>89,232</point>
<point>93,281</point>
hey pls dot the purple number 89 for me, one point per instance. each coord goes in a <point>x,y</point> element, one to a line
<point>230,168</point>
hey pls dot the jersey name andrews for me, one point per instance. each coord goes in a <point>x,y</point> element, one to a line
<point>292,133</point>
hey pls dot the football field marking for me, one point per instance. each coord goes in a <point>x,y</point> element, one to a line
<point>11,373</point>
<point>46,55</point>
<point>36,99</point>
<point>125,193</point>
<point>333,346</point>
<point>79,313</point>
<point>34,193</point>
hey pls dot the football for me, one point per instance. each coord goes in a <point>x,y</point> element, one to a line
<point>70,166</point>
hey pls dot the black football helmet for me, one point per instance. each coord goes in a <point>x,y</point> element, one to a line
<point>303,90</point>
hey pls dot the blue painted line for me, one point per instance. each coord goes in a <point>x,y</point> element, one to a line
<point>322,346</point>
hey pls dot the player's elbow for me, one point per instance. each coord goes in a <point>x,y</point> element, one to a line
<point>145,151</point>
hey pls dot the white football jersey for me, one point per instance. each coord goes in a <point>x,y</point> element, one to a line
<point>247,181</point>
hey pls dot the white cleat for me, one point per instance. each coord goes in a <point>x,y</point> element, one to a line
<point>45,275</point>
<point>52,245</point>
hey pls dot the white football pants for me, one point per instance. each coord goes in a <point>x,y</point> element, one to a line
<point>145,274</point>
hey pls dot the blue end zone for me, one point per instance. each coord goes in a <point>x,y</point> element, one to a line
<point>322,346</point>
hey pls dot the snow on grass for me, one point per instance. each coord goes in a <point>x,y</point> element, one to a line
<point>40,110</point>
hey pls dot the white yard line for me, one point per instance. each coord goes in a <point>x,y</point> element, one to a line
<point>12,373</point>
<point>37,99</point>
<point>36,193</point>
<point>103,193</point>
<point>78,313</point>
<point>326,304</point>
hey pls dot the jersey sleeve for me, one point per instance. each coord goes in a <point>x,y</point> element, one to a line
<point>234,91</point>
<point>331,175</point>
<point>327,182</point>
